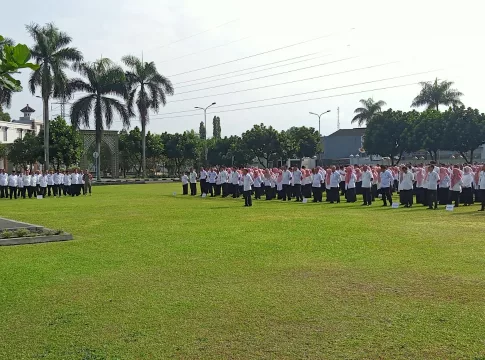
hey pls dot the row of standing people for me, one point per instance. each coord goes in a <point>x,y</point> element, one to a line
<point>31,184</point>
<point>430,185</point>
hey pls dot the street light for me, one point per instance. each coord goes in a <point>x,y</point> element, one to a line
<point>205,125</point>
<point>46,138</point>
<point>319,116</point>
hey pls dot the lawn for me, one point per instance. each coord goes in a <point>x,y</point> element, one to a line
<point>156,276</point>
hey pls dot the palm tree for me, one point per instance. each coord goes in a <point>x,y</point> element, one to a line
<point>369,109</point>
<point>148,89</point>
<point>436,93</point>
<point>104,80</point>
<point>51,52</point>
<point>5,94</point>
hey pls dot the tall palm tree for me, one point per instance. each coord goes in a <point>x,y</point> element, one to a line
<point>52,53</point>
<point>369,109</point>
<point>104,82</point>
<point>148,88</point>
<point>436,93</point>
<point>5,94</point>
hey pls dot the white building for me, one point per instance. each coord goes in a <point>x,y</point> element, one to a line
<point>16,129</point>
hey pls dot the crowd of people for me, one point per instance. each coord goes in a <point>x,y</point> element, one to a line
<point>53,183</point>
<point>429,185</point>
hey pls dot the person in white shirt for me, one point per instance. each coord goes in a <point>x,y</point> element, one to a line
<point>3,184</point>
<point>297,176</point>
<point>61,184</point>
<point>185,184</point>
<point>67,184</point>
<point>367,180</point>
<point>224,182</point>
<point>444,189</point>
<point>35,178</point>
<point>218,187</point>
<point>257,185</point>
<point>349,181</point>
<point>235,183</point>
<point>75,184</point>
<point>193,182</point>
<point>247,183</point>
<point>334,186</point>
<point>285,182</point>
<point>317,185</point>
<point>267,185</point>
<point>456,182</point>
<point>432,192</point>
<point>33,185</point>
<point>55,181</point>
<point>386,180</point>
<point>203,181</point>
<point>343,172</point>
<point>211,183</point>
<point>50,183</point>
<point>467,190</point>
<point>42,179</point>
<point>13,184</point>
<point>481,187</point>
<point>406,185</point>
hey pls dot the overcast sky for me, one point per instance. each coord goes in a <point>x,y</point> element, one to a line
<point>442,38</point>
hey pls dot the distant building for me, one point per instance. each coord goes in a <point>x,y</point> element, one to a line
<point>16,129</point>
<point>338,147</point>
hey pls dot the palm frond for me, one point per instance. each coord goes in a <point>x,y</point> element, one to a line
<point>120,108</point>
<point>81,109</point>
<point>130,61</point>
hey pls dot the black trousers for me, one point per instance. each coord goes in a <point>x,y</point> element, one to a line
<point>32,191</point>
<point>3,191</point>
<point>248,201</point>
<point>342,188</point>
<point>367,196</point>
<point>443,196</point>
<point>386,195</point>
<point>235,190</point>
<point>351,195</point>
<point>406,197</point>
<point>455,197</point>
<point>467,196</point>
<point>482,197</point>
<point>185,189</point>
<point>225,191</point>
<point>49,190</point>
<point>317,194</point>
<point>193,189</point>
<point>307,191</point>
<point>67,190</point>
<point>257,193</point>
<point>13,191</point>
<point>286,192</point>
<point>269,192</point>
<point>374,192</point>
<point>297,192</point>
<point>22,191</point>
<point>202,183</point>
<point>335,195</point>
<point>432,198</point>
<point>210,188</point>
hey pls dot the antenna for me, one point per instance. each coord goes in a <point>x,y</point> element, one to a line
<point>338,118</point>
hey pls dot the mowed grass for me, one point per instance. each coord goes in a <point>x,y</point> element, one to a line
<point>156,276</point>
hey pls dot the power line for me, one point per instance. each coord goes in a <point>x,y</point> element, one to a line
<point>267,76</point>
<point>211,48</point>
<point>194,35</point>
<point>286,83</point>
<point>254,55</point>
<point>253,72</point>
<point>250,68</point>
<point>304,93</point>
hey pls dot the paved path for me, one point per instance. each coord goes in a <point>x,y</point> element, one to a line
<point>12,224</point>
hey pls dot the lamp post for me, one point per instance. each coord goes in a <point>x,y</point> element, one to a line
<point>46,138</point>
<point>319,116</point>
<point>205,125</point>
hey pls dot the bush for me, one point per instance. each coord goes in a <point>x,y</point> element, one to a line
<point>6,234</point>
<point>22,233</point>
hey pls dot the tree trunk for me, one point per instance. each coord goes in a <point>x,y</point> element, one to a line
<point>464,156</point>
<point>143,149</point>
<point>45,101</point>
<point>98,167</point>
<point>471,156</point>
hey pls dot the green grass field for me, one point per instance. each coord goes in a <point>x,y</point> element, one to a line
<point>153,276</point>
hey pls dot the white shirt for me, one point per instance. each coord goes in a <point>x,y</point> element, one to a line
<point>27,180</point>
<point>407,181</point>
<point>467,180</point>
<point>481,180</point>
<point>67,180</point>
<point>20,181</point>
<point>445,183</point>
<point>223,175</point>
<point>193,177</point>
<point>42,181</point>
<point>33,180</point>
<point>13,180</point>
<point>50,179</point>
<point>235,178</point>
<point>342,175</point>
<point>351,184</point>
<point>317,180</point>
<point>267,181</point>
<point>433,179</point>
<point>55,179</point>
<point>257,181</point>
<point>335,179</point>
<point>3,179</point>
<point>366,179</point>
<point>74,179</point>
<point>212,177</point>
<point>286,177</point>
<point>297,177</point>
<point>185,179</point>
<point>203,175</point>
<point>248,181</point>
<point>386,179</point>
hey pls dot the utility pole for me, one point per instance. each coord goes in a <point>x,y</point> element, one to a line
<point>63,103</point>
<point>319,116</point>
<point>338,118</point>
<point>205,125</point>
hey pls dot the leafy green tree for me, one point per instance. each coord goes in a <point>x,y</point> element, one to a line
<point>304,141</point>
<point>216,127</point>
<point>3,150</point>
<point>130,150</point>
<point>65,143</point>
<point>104,81</point>
<point>465,131</point>
<point>391,133</point>
<point>154,152</point>
<point>367,111</point>
<point>53,56</point>
<point>220,151</point>
<point>263,143</point>
<point>4,116</point>
<point>202,131</point>
<point>26,151</point>
<point>436,93</point>
<point>148,89</point>
<point>180,149</point>
<point>429,132</point>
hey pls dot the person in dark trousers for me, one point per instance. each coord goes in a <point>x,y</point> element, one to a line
<point>185,184</point>
<point>386,182</point>
<point>235,183</point>
<point>297,178</point>
<point>433,180</point>
<point>13,184</point>
<point>286,181</point>
<point>3,184</point>
<point>335,186</point>
<point>342,172</point>
<point>203,181</point>
<point>406,192</point>
<point>367,179</point>
<point>247,183</point>
<point>481,187</point>
<point>456,182</point>
<point>193,182</point>
<point>317,186</point>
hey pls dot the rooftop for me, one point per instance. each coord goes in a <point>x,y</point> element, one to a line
<point>349,132</point>
<point>27,109</point>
